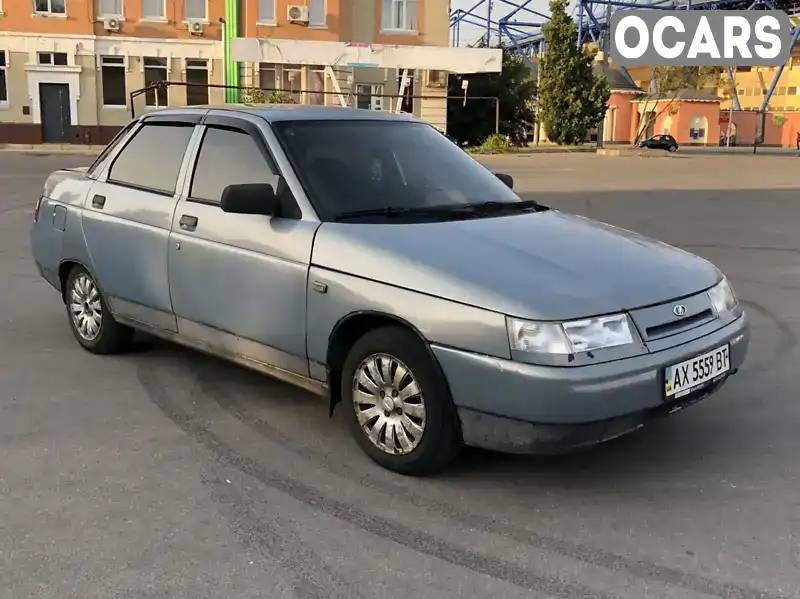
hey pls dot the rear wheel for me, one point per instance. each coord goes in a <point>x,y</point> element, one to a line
<point>89,317</point>
<point>400,409</point>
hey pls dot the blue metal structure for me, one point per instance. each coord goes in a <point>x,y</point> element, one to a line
<point>520,27</point>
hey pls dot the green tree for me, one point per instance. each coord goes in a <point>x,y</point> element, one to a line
<point>473,122</point>
<point>572,98</point>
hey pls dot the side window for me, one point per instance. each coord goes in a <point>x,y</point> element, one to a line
<point>152,159</point>
<point>227,157</point>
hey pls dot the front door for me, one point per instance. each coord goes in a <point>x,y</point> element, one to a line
<point>238,281</point>
<point>55,112</point>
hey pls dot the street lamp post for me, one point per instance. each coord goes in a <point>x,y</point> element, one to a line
<point>730,111</point>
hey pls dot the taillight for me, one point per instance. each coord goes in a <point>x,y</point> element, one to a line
<point>36,212</point>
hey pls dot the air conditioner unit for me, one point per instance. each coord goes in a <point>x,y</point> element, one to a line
<point>111,24</point>
<point>436,78</point>
<point>297,13</point>
<point>196,27</point>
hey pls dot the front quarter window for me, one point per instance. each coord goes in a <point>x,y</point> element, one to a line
<point>358,165</point>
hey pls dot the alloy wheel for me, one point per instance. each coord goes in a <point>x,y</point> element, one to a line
<point>86,309</point>
<point>389,404</point>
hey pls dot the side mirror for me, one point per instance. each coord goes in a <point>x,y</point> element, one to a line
<point>507,179</point>
<point>250,198</point>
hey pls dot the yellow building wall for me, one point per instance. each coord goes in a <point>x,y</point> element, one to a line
<point>751,84</point>
<point>17,88</point>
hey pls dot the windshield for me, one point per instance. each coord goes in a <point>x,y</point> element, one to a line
<point>352,166</point>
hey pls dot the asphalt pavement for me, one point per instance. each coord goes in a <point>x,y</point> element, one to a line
<point>164,473</point>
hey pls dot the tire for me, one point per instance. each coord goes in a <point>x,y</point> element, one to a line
<point>431,410</point>
<point>87,309</point>
<point>673,148</point>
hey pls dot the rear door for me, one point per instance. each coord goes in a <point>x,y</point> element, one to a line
<point>128,214</point>
<point>238,281</point>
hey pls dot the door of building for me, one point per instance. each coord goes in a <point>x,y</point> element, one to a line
<point>55,112</point>
<point>408,92</point>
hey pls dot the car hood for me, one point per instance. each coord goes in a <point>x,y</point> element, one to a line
<point>547,265</point>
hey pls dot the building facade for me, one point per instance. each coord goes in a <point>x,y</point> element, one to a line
<point>709,116</point>
<point>706,117</point>
<point>751,85</point>
<point>73,71</point>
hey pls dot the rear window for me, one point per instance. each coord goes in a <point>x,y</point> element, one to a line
<point>152,159</point>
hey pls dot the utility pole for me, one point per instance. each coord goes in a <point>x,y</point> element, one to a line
<point>730,112</point>
<point>604,62</point>
<point>537,127</point>
<point>489,24</point>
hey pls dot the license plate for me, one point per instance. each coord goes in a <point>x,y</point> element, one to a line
<point>681,379</point>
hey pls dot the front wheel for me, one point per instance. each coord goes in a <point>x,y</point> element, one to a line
<point>89,317</point>
<point>400,409</point>
<point>673,148</point>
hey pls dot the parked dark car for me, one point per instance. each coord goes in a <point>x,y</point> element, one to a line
<point>660,142</point>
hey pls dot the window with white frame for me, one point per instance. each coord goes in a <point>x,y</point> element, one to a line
<point>50,7</point>
<point>112,73</point>
<point>266,11</point>
<point>196,81</point>
<point>268,76</point>
<point>369,97</point>
<point>58,59</point>
<point>399,15</point>
<point>286,78</point>
<point>196,9</point>
<point>292,81</point>
<point>153,9</point>
<point>316,13</point>
<point>316,86</point>
<point>109,8</point>
<point>3,78</point>
<point>155,70</point>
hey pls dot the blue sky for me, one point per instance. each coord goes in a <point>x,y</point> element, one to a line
<point>470,33</point>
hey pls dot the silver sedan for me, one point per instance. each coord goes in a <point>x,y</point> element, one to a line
<point>365,257</point>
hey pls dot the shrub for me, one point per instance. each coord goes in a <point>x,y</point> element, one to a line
<point>496,144</point>
<point>262,96</point>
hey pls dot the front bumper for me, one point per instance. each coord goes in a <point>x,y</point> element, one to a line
<point>540,409</point>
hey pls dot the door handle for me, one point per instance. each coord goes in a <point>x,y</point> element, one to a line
<point>188,222</point>
<point>98,201</point>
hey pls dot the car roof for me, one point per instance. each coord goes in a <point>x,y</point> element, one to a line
<point>291,112</point>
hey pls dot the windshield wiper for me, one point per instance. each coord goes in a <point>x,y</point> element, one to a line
<point>447,209</point>
<point>493,207</point>
<point>395,211</point>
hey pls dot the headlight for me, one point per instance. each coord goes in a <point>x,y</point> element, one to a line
<point>569,337</point>
<point>723,297</point>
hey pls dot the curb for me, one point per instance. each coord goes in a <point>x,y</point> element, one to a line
<point>46,149</point>
<point>530,151</point>
<point>633,153</point>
